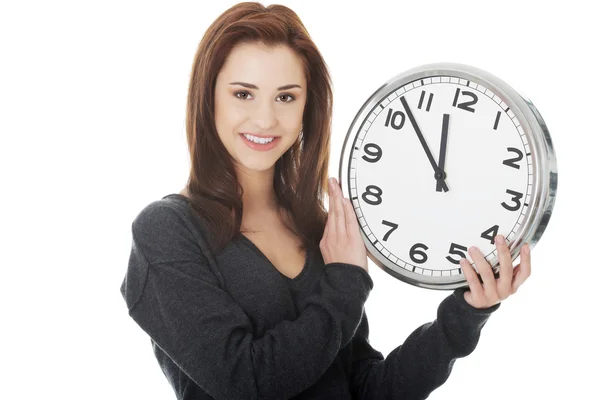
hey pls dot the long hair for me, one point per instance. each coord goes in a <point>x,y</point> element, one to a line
<point>300,178</point>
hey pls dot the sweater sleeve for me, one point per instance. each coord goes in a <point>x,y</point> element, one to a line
<point>180,303</point>
<point>424,361</point>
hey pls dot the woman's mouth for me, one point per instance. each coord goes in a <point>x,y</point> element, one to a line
<point>264,144</point>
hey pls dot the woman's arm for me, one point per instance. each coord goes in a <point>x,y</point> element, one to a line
<point>182,307</point>
<point>424,361</point>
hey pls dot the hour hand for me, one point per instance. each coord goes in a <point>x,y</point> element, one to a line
<point>440,174</point>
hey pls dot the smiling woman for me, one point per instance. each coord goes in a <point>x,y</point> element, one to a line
<point>257,72</point>
<point>247,121</point>
<point>246,286</point>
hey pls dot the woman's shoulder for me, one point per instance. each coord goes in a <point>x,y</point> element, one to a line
<point>168,211</point>
<point>168,230</point>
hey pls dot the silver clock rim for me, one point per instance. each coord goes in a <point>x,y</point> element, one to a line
<point>545,173</point>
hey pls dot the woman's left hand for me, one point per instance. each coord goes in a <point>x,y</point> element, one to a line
<point>493,290</point>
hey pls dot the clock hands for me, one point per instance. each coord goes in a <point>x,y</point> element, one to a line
<point>442,158</point>
<point>439,175</point>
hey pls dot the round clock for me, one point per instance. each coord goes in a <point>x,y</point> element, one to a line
<point>443,157</point>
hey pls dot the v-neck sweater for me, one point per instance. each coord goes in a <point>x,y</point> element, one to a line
<point>231,326</point>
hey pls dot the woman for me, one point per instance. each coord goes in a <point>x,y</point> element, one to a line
<point>246,286</point>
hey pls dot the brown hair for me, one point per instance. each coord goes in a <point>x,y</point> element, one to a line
<point>301,172</point>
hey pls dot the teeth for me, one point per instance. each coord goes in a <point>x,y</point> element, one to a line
<point>258,140</point>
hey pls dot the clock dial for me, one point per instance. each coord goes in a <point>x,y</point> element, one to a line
<point>438,165</point>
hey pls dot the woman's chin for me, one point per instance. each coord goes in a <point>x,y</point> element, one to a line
<point>257,164</point>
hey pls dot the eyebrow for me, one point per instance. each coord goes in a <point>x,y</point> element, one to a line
<point>251,86</point>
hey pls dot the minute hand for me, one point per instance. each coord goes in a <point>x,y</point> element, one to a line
<point>424,144</point>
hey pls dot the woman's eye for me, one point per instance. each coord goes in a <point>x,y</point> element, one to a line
<point>287,95</point>
<point>242,98</point>
<point>246,94</point>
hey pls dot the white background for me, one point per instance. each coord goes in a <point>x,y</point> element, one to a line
<point>92,111</point>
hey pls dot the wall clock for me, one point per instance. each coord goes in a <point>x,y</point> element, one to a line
<point>443,157</point>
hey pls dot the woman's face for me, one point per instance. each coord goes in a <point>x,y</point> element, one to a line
<point>265,109</point>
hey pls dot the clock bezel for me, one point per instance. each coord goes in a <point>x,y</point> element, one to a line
<point>545,175</point>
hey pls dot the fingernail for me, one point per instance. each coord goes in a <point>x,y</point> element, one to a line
<point>499,239</point>
<point>526,248</point>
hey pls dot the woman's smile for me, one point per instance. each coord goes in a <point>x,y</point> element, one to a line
<point>260,144</point>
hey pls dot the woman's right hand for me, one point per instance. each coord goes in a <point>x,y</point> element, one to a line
<point>341,240</point>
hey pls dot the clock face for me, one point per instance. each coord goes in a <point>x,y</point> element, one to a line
<point>436,166</point>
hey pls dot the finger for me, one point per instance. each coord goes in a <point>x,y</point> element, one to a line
<point>523,270</point>
<point>326,230</point>
<point>331,224</point>
<point>339,211</point>
<point>506,267</point>
<point>351,222</point>
<point>485,270</point>
<point>472,279</point>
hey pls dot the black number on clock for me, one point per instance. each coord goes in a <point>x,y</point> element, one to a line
<point>394,227</point>
<point>511,161</point>
<point>377,194</point>
<point>414,251</point>
<point>456,250</point>
<point>430,98</point>
<point>497,120</point>
<point>466,104</point>
<point>376,153</point>
<point>516,198</point>
<point>490,234</point>
<point>391,115</point>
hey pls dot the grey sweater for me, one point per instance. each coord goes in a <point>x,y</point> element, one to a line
<point>231,326</point>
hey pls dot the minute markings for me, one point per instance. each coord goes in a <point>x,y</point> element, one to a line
<point>455,248</point>
<point>396,119</point>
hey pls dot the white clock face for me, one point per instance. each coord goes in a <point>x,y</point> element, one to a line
<point>424,225</point>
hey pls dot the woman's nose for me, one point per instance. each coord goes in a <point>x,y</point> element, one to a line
<point>264,116</point>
